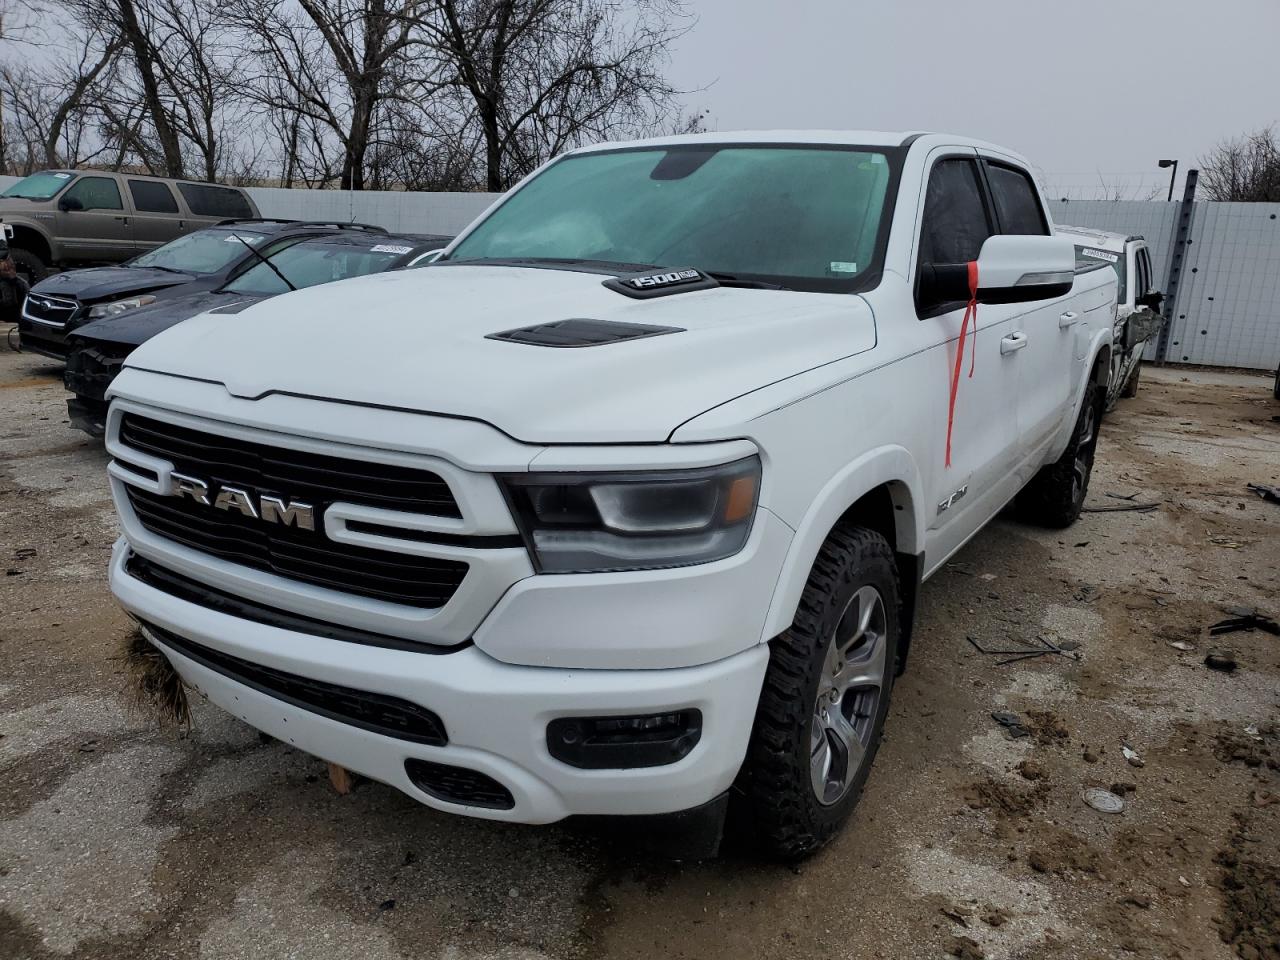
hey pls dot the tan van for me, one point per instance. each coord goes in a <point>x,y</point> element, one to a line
<point>67,218</point>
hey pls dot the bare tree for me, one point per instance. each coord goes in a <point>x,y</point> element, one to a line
<point>1245,168</point>
<point>336,62</point>
<point>543,75</point>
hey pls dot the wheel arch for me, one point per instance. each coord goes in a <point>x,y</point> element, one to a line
<point>881,491</point>
<point>33,240</point>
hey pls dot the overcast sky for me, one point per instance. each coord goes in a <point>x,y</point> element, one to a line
<point>1078,86</point>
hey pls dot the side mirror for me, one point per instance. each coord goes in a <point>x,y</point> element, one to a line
<point>1011,269</point>
<point>68,204</point>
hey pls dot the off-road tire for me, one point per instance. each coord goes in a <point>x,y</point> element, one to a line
<point>1130,389</point>
<point>1055,495</point>
<point>29,266</point>
<point>777,806</point>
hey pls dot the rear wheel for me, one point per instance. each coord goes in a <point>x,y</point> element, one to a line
<point>826,693</point>
<point>1056,494</point>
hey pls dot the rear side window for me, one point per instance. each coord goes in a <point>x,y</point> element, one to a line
<point>152,197</point>
<point>206,200</point>
<point>1016,202</point>
<point>95,193</point>
<point>955,221</point>
<point>1144,272</point>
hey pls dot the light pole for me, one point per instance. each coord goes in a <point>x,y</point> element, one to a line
<point>1173,176</point>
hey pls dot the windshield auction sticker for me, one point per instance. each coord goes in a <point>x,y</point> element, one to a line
<point>1099,254</point>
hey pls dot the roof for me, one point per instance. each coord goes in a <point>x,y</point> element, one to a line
<point>1103,239</point>
<point>867,138</point>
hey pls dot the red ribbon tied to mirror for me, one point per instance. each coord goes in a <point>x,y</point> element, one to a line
<point>970,316</point>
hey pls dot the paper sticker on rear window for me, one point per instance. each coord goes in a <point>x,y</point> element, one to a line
<point>1099,255</point>
<point>390,248</point>
<point>63,176</point>
<point>843,266</point>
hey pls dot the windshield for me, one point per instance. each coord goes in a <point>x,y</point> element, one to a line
<point>206,251</point>
<point>317,261</point>
<point>802,217</point>
<point>1092,256</point>
<point>39,186</point>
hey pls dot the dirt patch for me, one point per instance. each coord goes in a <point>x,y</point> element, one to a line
<point>1005,799</point>
<point>1250,884</point>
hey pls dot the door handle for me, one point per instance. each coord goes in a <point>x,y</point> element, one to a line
<point>1067,319</point>
<point>1013,342</point>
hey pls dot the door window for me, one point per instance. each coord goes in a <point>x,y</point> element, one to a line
<point>1017,204</point>
<point>152,197</point>
<point>955,221</point>
<point>95,193</point>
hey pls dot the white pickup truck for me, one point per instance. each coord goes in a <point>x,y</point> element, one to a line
<point>1138,303</point>
<point>623,506</point>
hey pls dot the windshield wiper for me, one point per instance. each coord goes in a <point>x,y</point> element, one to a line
<point>274,269</point>
<point>729,280</point>
<point>156,266</point>
<point>613,266</point>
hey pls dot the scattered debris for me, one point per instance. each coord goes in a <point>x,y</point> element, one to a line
<point>1123,507</point>
<point>995,918</point>
<point>386,905</point>
<point>960,912</point>
<point>1222,660</point>
<point>1132,756</point>
<point>1181,645</point>
<point>1104,801</point>
<point>1226,542</point>
<point>1123,788</point>
<point>1012,724</point>
<point>1267,493</point>
<point>342,780</point>
<point>1015,654</point>
<point>1252,731</point>
<point>1184,881</point>
<point>1245,619</point>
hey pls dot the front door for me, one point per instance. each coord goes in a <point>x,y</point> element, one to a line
<point>98,228</point>
<point>955,222</point>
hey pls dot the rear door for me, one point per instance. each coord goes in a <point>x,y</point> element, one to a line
<point>156,217</point>
<point>1045,358</point>
<point>101,228</point>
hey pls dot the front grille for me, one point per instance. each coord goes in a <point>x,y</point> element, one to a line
<point>90,370</point>
<point>46,309</point>
<point>389,716</point>
<point>458,785</point>
<point>313,477</point>
<point>303,555</point>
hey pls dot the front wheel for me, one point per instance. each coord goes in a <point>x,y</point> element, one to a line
<point>1055,495</point>
<point>826,693</point>
<point>28,266</point>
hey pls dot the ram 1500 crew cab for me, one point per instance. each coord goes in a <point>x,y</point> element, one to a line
<point>621,507</point>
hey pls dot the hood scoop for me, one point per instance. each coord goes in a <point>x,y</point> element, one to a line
<point>581,332</point>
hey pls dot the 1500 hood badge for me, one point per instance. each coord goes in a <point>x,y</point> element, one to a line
<point>262,507</point>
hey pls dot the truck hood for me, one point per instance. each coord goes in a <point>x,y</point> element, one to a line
<point>95,284</point>
<point>138,326</point>
<point>420,340</point>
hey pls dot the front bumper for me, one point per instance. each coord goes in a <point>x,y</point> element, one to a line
<point>45,340</point>
<point>495,713</point>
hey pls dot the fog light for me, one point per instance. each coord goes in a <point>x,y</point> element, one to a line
<point>615,743</point>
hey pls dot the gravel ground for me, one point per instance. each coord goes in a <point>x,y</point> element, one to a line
<point>121,841</point>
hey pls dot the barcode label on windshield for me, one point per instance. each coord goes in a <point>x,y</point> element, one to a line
<point>1100,255</point>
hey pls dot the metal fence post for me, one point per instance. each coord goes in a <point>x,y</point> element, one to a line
<point>1181,233</point>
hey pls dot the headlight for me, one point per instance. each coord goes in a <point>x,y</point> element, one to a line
<point>100,310</point>
<point>584,522</point>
